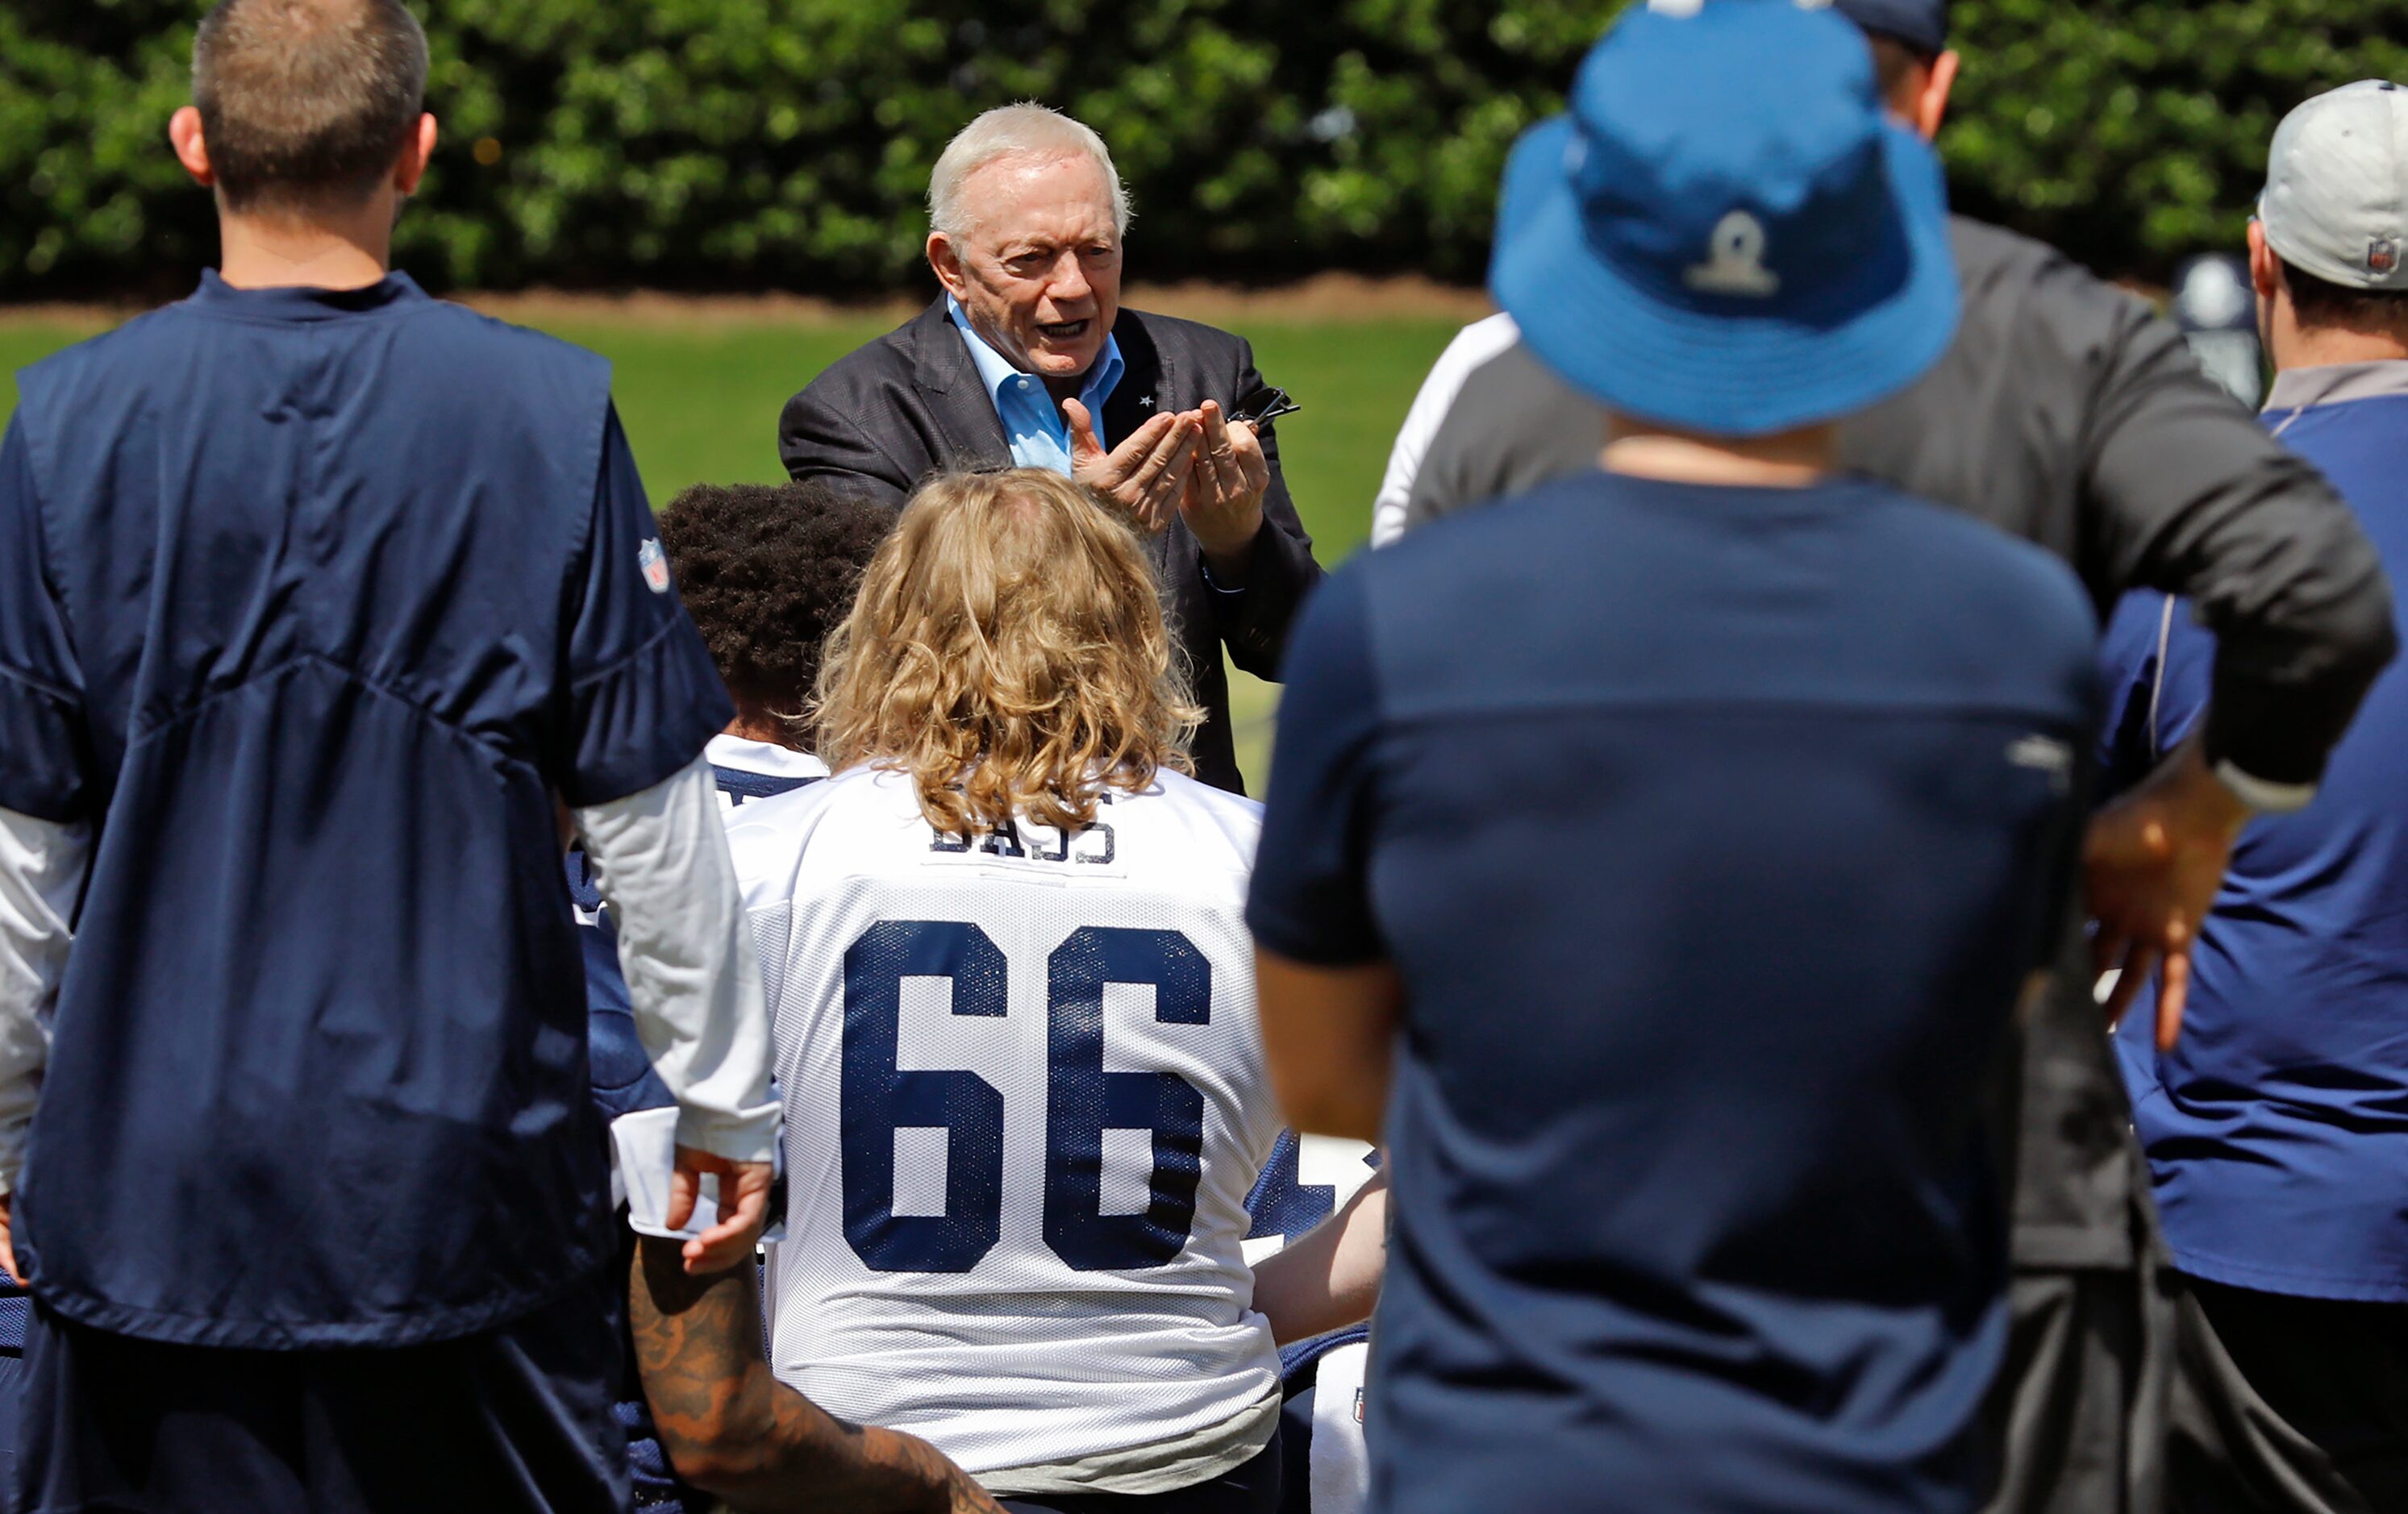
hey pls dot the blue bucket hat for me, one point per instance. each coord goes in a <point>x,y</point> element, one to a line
<point>1724,234</point>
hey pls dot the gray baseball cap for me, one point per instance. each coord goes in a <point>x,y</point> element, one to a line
<point>2336,200</point>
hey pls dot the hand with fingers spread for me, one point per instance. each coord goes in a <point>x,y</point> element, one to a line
<point>743,1208</point>
<point>1146,474</point>
<point>2155,858</point>
<point>1224,500</point>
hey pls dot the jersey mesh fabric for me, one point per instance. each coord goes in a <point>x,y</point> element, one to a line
<point>1027,1331</point>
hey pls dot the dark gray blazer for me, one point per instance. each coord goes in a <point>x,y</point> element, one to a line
<point>887,416</point>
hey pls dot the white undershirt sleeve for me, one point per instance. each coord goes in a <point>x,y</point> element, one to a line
<point>661,860</point>
<point>42,866</point>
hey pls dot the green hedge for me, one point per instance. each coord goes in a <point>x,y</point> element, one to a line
<point>784,144</point>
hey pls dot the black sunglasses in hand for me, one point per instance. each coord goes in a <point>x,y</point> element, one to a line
<point>1266,404</point>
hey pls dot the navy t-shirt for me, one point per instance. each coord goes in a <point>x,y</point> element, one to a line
<point>311,602</point>
<point>1714,832</point>
<point>2277,1128</point>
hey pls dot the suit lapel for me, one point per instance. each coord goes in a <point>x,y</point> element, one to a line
<point>1144,392</point>
<point>1146,389</point>
<point>959,404</point>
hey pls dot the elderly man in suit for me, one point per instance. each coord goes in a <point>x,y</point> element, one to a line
<point>1028,360</point>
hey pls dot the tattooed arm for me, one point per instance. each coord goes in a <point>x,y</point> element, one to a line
<point>734,1430</point>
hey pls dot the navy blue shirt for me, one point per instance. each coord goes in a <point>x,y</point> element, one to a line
<point>2277,1128</point>
<point>311,602</point>
<point>1713,832</point>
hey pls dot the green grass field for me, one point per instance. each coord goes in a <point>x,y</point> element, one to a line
<point>701,402</point>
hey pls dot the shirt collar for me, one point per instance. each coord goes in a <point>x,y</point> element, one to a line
<point>302,303</point>
<point>2337,383</point>
<point>994,370</point>
<point>749,756</point>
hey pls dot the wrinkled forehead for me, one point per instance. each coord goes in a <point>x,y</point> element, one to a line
<point>1055,198</point>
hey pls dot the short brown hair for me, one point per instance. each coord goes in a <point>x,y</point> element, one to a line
<point>1008,651</point>
<point>306,103</point>
<point>2320,302</point>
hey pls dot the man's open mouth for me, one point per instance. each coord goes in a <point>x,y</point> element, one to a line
<point>1062,331</point>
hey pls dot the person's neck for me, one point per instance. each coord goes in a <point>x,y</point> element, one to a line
<point>2325,346</point>
<point>342,249</point>
<point>1785,460</point>
<point>752,724</point>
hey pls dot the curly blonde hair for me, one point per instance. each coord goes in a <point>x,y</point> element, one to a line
<point>1007,650</point>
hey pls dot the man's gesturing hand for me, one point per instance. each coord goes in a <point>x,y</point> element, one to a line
<point>1146,474</point>
<point>1224,502</point>
<point>2155,858</point>
<point>743,1208</point>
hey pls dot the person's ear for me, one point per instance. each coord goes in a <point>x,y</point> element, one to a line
<point>2266,279</point>
<point>1932,101</point>
<point>184,135</point>
<point>945,260</point>
<point>2265,269</point>
<point>411,167</point>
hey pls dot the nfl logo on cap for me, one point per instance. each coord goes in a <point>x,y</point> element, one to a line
<point>655,565</point>
<point>2382,256</point>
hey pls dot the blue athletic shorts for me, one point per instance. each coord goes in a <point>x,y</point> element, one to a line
<point>516,1419</point>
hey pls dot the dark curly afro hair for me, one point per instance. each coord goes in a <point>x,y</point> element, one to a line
<point>767,571</point>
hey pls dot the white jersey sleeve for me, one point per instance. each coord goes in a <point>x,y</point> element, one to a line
<point>1472,345</point>
<point>1026,1103</point>
<point>42,868</point>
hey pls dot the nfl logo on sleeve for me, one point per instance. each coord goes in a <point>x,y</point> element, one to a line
<point>655,565</point>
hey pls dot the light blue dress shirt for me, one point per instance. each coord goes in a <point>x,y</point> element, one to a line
<point>1032,422</point>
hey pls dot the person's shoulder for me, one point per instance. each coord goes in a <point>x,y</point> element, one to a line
<point>880,360</point>
<point>129,348</point>
<point>1177,334</point>
<point>1958,543</point>
<point>1458,558</point>
<point>1981,247</point>
<point>456,323</point>
<point>768,838</point>
<point>763,759</point>
<point>1510,521</point>
<point>1187,837</point>
<point>1979,582</point>
<point>2007,273</point>
<point>1478,343</point>
<point>1233,816</point>
<point>2364,439</point>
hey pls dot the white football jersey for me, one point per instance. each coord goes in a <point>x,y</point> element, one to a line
<point>1024,1103</point>
<point>749,770</point>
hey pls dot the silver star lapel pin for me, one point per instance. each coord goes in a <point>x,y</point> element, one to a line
<point>1146,404</point>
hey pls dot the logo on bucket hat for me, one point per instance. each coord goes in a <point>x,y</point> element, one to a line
<point>1735,264</point>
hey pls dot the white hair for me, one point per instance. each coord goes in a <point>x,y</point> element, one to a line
<point>1015,130</point>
